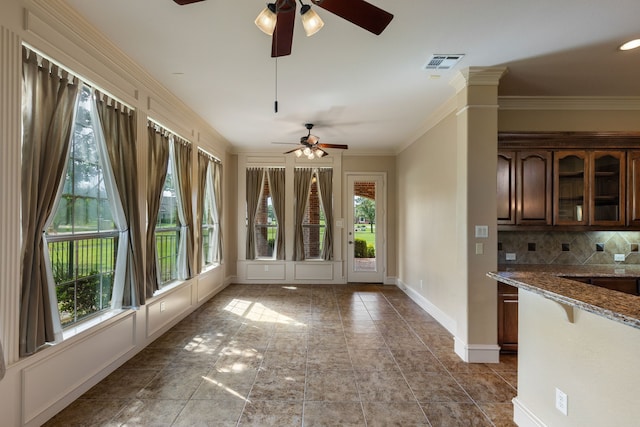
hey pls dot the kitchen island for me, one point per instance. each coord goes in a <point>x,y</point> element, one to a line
<point>578,338</point>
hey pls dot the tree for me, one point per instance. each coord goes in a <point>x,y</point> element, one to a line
<point>366,207</point>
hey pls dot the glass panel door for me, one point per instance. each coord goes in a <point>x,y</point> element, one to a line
<point>570,188</point>
<point>365,229</point>
<point>607,194</point>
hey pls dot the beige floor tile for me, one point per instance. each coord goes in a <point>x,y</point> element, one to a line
<point>332,414</point>
<point>143,412</point>
<point>261,413</point>
<point>486,387</point>
<point>88,412</point>
<point>444,414</point>
<point>210,413</point>
<point>383,386</point>
<point>174,383</point>
<point>435,387</point>
<point>334,385</point>
<point>218,385</point>
<point>396,414</point>
<point>278,384</point>
<point>501,414</point>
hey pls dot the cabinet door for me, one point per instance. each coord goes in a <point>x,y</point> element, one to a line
<point>622,284</point>
<point>633,188</point>
<point>570,188</point>
<point>507,318</point>
<point>533,183</point>
<point>506,189</point>
<point>607,185</point>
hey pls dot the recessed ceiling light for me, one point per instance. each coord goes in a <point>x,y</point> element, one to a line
<point>632,44</point>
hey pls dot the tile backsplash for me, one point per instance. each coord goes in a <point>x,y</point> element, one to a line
<point>551,247</point>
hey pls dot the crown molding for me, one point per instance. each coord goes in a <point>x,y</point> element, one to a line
<point>615,103</point>
<point>477,76</point>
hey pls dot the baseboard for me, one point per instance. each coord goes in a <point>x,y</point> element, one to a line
<point>523,417</point>
<point>477,353</point>
<point>440,316</point>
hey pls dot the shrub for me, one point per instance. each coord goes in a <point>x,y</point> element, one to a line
<point>360,248</point>
<point>371,251</point>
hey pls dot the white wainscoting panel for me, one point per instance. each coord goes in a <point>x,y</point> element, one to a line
<point>266,271</point>
<point>54,377</point>
<point>313,271</point>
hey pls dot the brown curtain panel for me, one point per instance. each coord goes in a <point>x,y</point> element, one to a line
<point>119,127</point>
<point>48,104</point>
<point>158,161</point>
<point>203,164</point>
<point>276,186</point>
<point>183,151</point>
<point>217,194</point>
<point>301,183</point>
<point>325,184</point>
<point>254,188</point>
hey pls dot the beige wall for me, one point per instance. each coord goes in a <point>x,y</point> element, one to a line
<point>427,182</point>
<point>385,164</point>
<point>569,120</point>
<point>593,360</point>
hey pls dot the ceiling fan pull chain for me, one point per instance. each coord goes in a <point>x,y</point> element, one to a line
<point>275,104</point>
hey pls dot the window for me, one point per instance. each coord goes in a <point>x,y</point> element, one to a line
<point>168,228</point>
<point>211,242</point>
<point>314,223</point>
<point>266,223</point>
<point>82,239</point>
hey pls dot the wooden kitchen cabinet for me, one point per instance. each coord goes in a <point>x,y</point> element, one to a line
<point>607,188</point>
<point>507,318</point>
<point>524,187</point>
<point>570,188</point>
<point>633,188</point>
<point>627,285</point>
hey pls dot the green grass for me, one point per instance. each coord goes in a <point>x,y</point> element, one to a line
<point>367,236</point>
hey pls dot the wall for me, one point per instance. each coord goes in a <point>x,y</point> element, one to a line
<point>593,360</point>
<point>37,387</point>
<point>428,265</point>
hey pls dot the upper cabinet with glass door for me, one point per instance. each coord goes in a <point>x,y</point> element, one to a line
<point>570,184</point>
<point>607,204</point>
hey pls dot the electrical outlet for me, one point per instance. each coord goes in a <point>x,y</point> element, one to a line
<point>420,283</point>
<point>510,256</point>
<point>163,306</point>
<point>618,257</point>
<point>562,401</point>
<point>479,248</point>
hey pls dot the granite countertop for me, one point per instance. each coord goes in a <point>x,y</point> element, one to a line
<point>547,281</point>
<point>565,270</point>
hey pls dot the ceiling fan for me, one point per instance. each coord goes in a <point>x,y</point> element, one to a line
<point>277,19</point>
<point>310,146</point>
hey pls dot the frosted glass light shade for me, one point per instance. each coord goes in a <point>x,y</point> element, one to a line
<point>267,19</point>
<point>310,20</point>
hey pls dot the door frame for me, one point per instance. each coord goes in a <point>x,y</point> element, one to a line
<point>381,228</point>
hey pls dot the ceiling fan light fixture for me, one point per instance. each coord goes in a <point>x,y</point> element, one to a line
<point>321,153</point>
<point>267,19</point>
<point>311,156</point>
<point>306,151</point>
<point>631,44</point>
<point>312,139</point>
<point>298,152</point>
<point>310,20</point>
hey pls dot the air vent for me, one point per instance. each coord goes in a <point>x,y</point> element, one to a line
<point>443,62</point>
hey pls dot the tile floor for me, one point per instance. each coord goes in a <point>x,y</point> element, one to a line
<point>308,355</point>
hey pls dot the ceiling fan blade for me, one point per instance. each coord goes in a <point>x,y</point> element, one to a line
<point>291,151</point>
<point>283,33</point>
<point>359,12</point>
<point>340,146</point>
<point>183,2</point>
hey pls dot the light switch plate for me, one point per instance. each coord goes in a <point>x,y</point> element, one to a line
<point>618,257</point>
<point>482,231</point>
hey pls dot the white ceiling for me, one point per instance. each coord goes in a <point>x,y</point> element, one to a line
<point>368,91</point>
